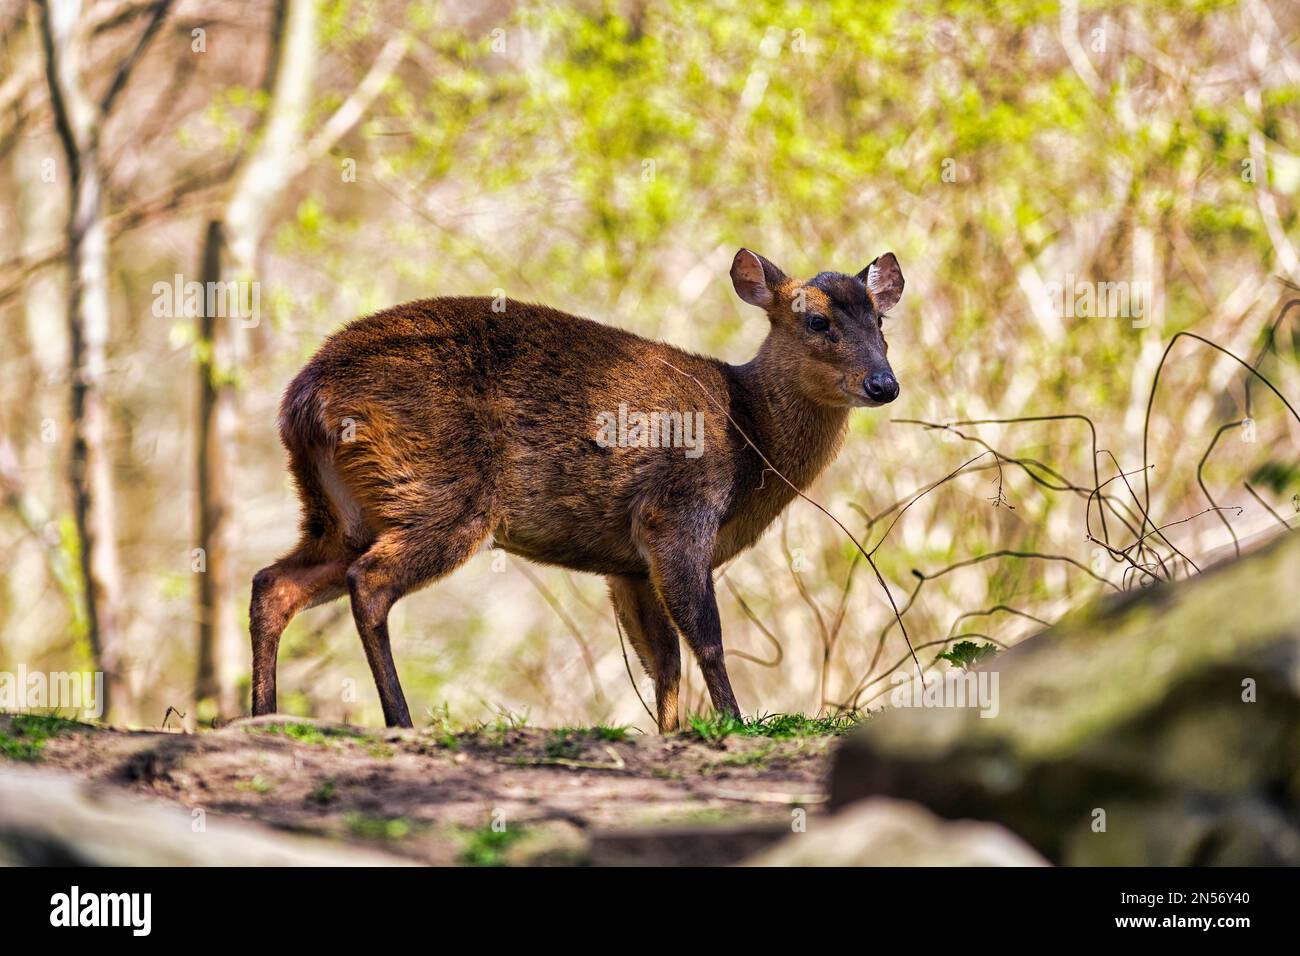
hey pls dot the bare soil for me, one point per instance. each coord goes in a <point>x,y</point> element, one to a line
<point>434,796</point>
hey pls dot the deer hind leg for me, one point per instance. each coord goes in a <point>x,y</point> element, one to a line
<point>655,641</point>
<point>400,561</point>
<point>297,581</point>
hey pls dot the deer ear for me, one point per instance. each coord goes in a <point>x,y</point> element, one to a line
<point>884,282</point>
<point>755,279</point>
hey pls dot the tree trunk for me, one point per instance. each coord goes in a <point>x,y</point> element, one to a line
<point>218,630</point>
<point>89,467</point>
<point>230,248</point>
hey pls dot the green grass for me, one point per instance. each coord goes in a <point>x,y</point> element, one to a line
<point>487,847</point>
<point>567,742</point>
<point>257,784</point>
<point>563,744</point>
<point>442,729</point>
<point>448,739</point>
<point>28,734</point>
<point>492,733</point>
<point>714,728</point>
<point>500,727</point>
<point>323,793</point>
<point>612,735</point>
<point>749,758</point>
<point>309,734</point>
<point>378,828</point>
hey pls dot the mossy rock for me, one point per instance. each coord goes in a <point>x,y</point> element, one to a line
<point>1133,713</point>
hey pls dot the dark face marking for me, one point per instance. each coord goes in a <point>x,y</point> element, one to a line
<point>847,293</point>
<point>851,352</point>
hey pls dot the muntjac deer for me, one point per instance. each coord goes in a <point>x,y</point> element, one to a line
<point>424,433</point>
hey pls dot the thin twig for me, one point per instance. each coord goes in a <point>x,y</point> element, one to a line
<point>628,664</point>
<point>1264,504</point>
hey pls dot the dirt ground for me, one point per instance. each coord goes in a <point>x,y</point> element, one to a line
<point>497,795</point>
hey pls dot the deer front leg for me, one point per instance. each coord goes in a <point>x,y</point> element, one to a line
<point>681,570</point>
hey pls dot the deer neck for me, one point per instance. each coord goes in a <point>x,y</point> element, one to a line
<point>797,436</point>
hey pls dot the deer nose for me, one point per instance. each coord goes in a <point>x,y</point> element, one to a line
<point>881,387</point>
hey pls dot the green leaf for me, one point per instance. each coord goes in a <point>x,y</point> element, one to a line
<point>967,654</point>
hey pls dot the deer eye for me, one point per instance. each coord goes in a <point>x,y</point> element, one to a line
<point>818,323</point>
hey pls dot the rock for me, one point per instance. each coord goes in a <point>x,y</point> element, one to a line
<point>1158,727</point>
<point>884,832</point>
<point>52,819</point>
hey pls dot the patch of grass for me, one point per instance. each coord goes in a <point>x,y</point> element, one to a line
<point>749,758</point>
<point>605,732</point>
<point>309,734</point>
<point>442,729</point>
<point>487,847</point>
<point>378,828</point>
<point>613,735</point>
<point>28,734</point>
<point>451,734</point>
<point>257,784</point>
<point>501,726</point>
<point>714,729</point>
<point>785,726</point>
<point>323,793</point>
<point>566,742</point>
<point>16,748</point>
<point>43,725</point>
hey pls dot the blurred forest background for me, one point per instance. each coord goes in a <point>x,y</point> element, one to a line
<point>608,158</point>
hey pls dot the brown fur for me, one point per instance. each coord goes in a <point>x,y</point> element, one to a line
<point>418,435</point>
